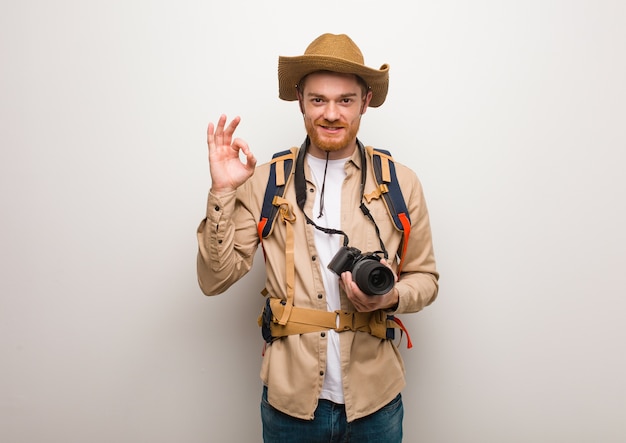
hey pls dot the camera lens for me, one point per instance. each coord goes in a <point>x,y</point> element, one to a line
<point>372,277</point>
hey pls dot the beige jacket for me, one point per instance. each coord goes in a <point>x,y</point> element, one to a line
<point>293,367</point>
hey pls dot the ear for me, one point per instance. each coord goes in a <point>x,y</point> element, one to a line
<point>300,100</point>
<point>366,101</point>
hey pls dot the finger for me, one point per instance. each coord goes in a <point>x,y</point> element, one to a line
<point>345,279</point>
<point>210,136</point>
<point>250,160</point>
<point>219,131</point>
<point>212,131</point>
<point>386,263</point>
<point>358,303</point>
<point>341,285</point>
<point>245,149</point>
<point>230,130</point>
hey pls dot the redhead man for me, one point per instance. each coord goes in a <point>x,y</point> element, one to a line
<point>331,371</point>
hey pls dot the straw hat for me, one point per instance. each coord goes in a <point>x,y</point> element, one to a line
<point>330,52</point>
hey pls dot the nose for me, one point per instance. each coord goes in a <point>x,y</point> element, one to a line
<point>331,111</point>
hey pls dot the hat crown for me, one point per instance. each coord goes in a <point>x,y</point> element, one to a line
<point>333,53</point>
<point>339,46</point>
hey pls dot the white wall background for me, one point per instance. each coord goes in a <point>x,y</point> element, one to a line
<point>513,113</point>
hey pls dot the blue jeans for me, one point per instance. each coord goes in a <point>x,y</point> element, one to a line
<point>330,425</point>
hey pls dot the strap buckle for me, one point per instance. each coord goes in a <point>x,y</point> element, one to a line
<point>345,321</point>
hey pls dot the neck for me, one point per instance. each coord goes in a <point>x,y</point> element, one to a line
<point>344,152</point>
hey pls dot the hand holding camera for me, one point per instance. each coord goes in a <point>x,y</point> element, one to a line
<point>373,278</point>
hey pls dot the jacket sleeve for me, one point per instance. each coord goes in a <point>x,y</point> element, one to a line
<point>227,241</point>
<point>418,284</point>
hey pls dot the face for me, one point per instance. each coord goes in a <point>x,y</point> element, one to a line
<point>332,105</point>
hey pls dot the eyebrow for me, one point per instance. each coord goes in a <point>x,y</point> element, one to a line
<point>317,95</point>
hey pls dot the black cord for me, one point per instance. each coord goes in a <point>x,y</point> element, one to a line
<point>300,183</point>
<point>323,187</point>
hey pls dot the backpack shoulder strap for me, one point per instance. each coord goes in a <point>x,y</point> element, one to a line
<point>389,188</point>
<point>281,170</point>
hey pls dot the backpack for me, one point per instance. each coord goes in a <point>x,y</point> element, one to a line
<point>275,318</point>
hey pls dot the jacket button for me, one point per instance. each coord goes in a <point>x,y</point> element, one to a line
<point>321,372</point>
<point>323,334</point>
<point>320,296</point>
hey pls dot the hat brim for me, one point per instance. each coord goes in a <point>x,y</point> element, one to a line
<point>292,69</point>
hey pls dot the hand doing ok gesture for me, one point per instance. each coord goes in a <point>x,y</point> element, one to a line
<point>228,171</point>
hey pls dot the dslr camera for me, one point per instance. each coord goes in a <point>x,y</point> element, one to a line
<point>370,275</point>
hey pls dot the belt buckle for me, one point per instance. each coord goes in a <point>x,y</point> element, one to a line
<point>345,321</point>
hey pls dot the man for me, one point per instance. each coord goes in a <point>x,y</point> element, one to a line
<point>322,383</point>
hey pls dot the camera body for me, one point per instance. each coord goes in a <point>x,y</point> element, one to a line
<point>370,275</point>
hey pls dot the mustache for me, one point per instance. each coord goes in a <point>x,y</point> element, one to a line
<point>329,124</point>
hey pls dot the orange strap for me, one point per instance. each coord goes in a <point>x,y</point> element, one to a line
<point>406,224</point>
<point>409,343</point>
<point>260,227</point>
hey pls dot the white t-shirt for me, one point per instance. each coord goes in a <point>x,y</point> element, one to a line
<point>327,246</point>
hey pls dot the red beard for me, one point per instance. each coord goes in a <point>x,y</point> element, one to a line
<point>328,142</point>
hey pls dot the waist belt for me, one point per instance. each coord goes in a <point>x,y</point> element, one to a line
<point>305,320</point>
